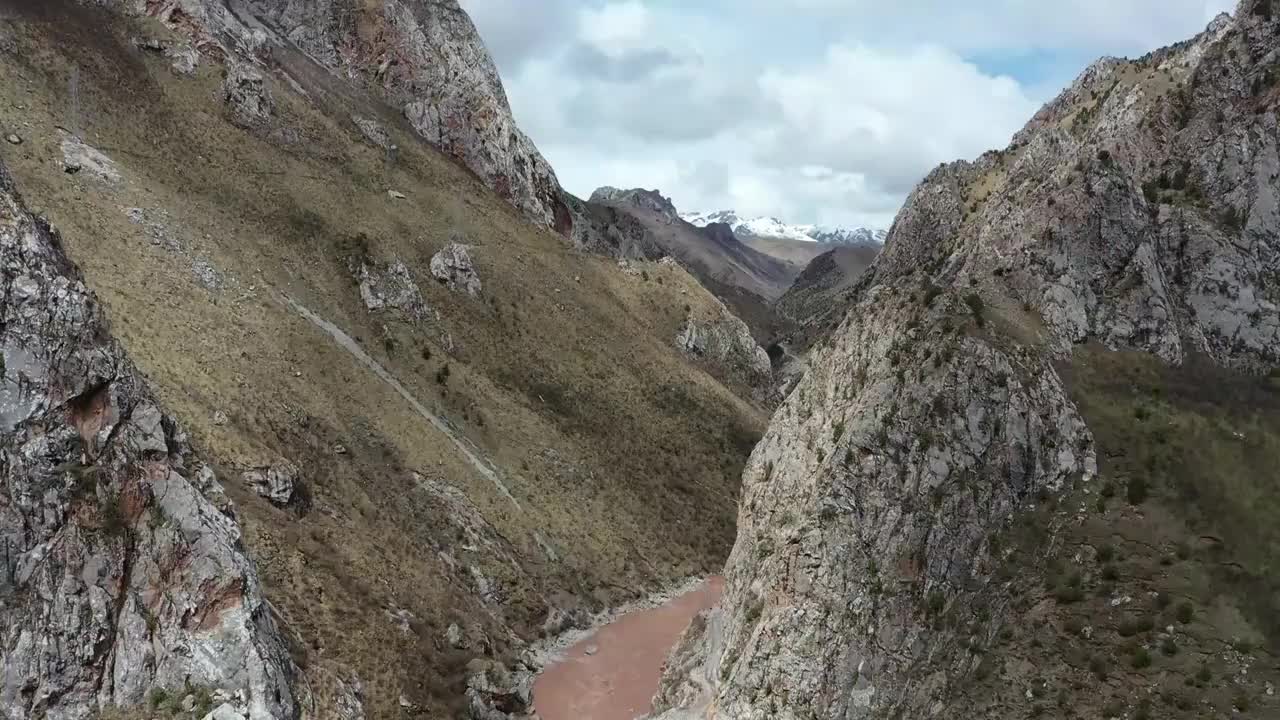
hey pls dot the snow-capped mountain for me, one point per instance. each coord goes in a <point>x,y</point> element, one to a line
<point>769,227</point>
<point>848,236</point>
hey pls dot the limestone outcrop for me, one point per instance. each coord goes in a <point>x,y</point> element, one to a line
<point>123,566</point>
<point>1140,210</point>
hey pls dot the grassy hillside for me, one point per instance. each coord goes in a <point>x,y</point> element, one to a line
<point>797,253</point>
<point>1154,593</point>
<point>622,459</point>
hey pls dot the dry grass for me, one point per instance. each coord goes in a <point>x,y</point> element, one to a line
<point>563,353</point>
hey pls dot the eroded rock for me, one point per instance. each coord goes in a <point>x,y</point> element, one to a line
<point>247,96</point>
<point>275,483</point>
<point>452,267</point>
<point>124,569</point>
<point>78,157</point>
<point>726,341</point>
<point>390,286</point>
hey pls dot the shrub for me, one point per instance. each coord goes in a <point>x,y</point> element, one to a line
<point>1106,553</point>
<point>1185,613</point>
<point>1137,491</point>
<point>976,306</point>
<point>1075,626</point>
<point>1110,574</point>
<point>1169,647</point>
<point>1068,595</point>
<point>1231,218</point>
<point>1150,192</point>
<point>1099,666</point>
<point>157,697</point>
<point>1133,626</point>
<point>442,375</point>
<point>936,602</point>
<point>1141,659</point>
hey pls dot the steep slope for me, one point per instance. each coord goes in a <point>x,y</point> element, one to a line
<point>746,279</point>
<point>423,57</point>
<point>798,253</point>
<point>817,297</point>
<point>992,495</point>
<point>446,432</point>
<point>123,569</point>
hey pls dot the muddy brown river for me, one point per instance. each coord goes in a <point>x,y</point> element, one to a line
<point>613,673</point>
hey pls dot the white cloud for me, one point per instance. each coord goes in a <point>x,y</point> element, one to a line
<point>617,27</point>
<point>875,113</point>
<point>812,110</point>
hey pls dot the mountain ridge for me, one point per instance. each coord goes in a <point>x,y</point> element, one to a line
<point>930,525</point>
<point>766,227</point>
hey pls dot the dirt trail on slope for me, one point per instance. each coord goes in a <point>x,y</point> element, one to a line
<point>613,673</point>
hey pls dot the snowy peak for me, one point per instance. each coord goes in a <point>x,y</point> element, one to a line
<point>848,236</point>
<point>771,227</point>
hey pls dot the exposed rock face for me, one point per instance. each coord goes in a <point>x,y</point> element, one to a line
<point>390,287</point>
<point>727,341</point>
<point>275,483</point>
<point>816,292</point>
<point>452,267</point>
<point>78,157</point>
<point>375,133</point>
<point>424,55</point>
<point>247,96</point>
<point>496,693</point>
<point>124,569</point>
<point>606,230</point>
<point>1139,209</point>
<point>1145,217</point>
<point>650,200</point>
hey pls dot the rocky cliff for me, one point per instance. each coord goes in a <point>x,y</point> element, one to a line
<point>423,56</point>
<point>447,432</point>
<point>873,575</point>
<point>816,301</point>
<point>124,574</point>
<point>746,279</point>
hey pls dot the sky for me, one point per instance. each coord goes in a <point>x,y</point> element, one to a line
<point>812,111</point>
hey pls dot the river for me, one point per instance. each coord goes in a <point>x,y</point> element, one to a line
<point>613,673</point>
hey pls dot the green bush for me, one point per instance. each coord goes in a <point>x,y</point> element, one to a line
<point>1099,666</point>
<point>1137,490</point>
<point>976,306</point>
<point>1185,613</point>
<point>1169,647</point>
<point>1141,659</point>
<point>1134,626</point>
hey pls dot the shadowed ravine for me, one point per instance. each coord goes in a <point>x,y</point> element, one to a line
<point>613,673</point>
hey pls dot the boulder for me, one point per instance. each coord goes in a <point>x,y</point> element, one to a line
<point>79,157</point>
<point>390,287</point>
<point>452,267</point>
<point>247,96</point>
<point>275,483</point>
